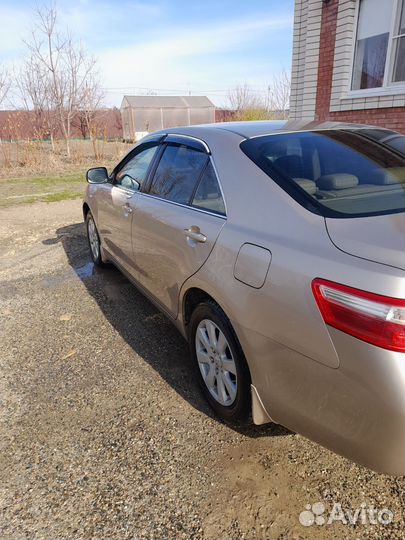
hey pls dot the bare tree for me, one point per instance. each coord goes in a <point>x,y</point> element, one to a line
<point>117,119</point>
<point>248,104</point>
<point>79,123</point>
<point>4,84</point>
<point>242,98</point>
<point>67,67</point>
<point>87,118</point>
<point>4,88</point>
<point>278,95</point>
<point>265,105</point>
<point>34,93</point>
<point>91,101</point>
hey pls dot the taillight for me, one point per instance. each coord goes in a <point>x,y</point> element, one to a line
<point>379,320</point>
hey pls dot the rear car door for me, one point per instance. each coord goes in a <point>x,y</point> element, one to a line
<point>117,201</point>
<point>177,220</point>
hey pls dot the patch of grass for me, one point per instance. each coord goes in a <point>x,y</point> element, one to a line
<point>51,188</point>
<point>45,181</point>
<point>61,196</point>
<point>78,178</point>
<point>48,198</point>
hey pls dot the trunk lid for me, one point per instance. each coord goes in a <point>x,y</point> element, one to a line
<point>378,238</point>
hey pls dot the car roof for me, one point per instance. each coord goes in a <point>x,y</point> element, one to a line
<point>252,129</point>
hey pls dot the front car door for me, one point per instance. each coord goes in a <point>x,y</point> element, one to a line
<point>177,220</point>
<point>117,202</point>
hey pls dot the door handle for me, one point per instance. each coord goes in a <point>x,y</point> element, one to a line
<point>127,208</point>
<point>195,234</point>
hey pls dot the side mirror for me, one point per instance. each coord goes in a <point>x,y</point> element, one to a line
<point>130,183</point>
<point>97,175</point>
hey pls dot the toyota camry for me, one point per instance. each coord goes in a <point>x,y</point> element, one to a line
<point>278,251</point>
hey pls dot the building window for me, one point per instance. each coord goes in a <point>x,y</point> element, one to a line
<point>380,44</point>
<point>398,46</point>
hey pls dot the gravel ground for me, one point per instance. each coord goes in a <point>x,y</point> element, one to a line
<point>104,432</point>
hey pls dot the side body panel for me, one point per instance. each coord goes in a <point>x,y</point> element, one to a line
<point>115,218</point>
<point>165,257</point>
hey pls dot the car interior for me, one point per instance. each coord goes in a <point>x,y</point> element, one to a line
<point>330,166</point>
<point>208,195</point>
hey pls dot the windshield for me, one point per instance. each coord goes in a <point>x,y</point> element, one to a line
<point>335,173</point>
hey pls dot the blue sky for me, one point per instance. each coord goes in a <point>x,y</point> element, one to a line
<point>170,46</point>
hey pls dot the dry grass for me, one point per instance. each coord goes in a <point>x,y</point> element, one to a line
<point>34,158</point>
<point>50,188</point>
<point>30,171</point>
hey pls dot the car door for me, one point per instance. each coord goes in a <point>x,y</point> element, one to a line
<point>118,200</point>
<point>175,225</point>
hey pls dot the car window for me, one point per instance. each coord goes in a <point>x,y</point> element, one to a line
<point>335,173</point>
<point>208,195</point>
<point>397,143</point>
<point>134,172</point>
<point>178,172</point>
<point>389,138</point>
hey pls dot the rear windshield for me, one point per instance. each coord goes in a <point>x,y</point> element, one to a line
<point>335,173</point>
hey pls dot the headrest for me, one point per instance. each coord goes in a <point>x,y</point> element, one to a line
<point>394,175</point>
<point>308,185</point>
<point>337,181</point>
<point>290,165</point>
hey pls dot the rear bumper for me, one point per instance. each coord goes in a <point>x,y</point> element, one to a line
<point>356,410</point>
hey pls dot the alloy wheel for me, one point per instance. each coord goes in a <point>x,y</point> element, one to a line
<point>216,362</point>
<point>93,238</point>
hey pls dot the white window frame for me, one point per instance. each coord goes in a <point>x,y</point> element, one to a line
<point>389,87</point>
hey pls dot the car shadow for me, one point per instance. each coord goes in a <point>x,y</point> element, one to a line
<point>148,332</point>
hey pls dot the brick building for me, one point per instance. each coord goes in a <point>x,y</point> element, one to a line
<point>349,61</point>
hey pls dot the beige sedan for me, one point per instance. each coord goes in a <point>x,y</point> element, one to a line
<point>278,253</point>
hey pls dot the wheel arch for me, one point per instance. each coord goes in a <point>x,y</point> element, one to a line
<point>191,298</point>
<point>196,291</point>
<point>194,296</point>
<point>86,210</point>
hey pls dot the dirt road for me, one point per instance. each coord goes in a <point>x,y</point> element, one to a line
<point>105,435</point>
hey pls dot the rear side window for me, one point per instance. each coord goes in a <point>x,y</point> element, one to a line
<point>335,173</point>
<point>208,195</point>
<point>178,173</point>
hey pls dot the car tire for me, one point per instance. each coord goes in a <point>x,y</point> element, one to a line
<point>93,239</point>
<point>215,346</point>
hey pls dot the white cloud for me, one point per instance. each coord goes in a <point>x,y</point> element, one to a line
<point>187,57</point>
<point>79,16</point>
<point>84,20</point>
